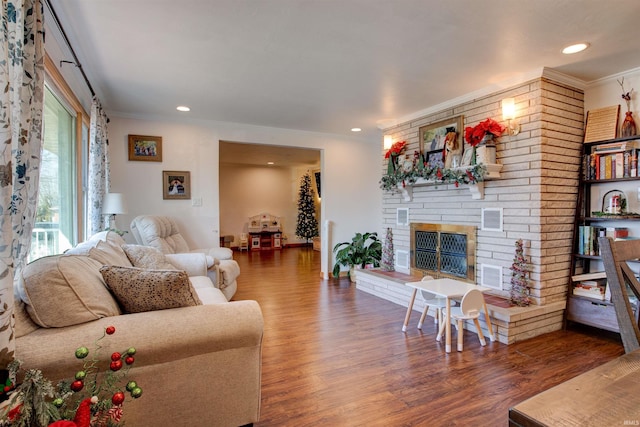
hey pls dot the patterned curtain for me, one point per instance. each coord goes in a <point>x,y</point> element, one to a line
<point>98,167</point>
<point>21,109</point>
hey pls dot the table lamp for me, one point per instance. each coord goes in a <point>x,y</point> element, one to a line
<point>112,205</point>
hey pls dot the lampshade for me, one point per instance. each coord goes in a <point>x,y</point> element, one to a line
<point>114,204</point>
<point>388,142</point>
<point>508,109</point>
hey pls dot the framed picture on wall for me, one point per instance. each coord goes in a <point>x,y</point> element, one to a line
<point>176,185</point>
<point>145,148</point>
<point>433,136</point>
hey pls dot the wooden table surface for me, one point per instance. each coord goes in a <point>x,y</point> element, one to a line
<point>608,395</point>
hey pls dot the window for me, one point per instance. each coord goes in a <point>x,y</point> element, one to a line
<point>62,192</point>
<point>54,230</point>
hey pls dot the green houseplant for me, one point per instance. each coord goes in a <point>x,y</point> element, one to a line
<point>364,249</point>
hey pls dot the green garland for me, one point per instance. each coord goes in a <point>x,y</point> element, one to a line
<point>458,176</point>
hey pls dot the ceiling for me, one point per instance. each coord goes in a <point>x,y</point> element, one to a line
<point>328,66</point>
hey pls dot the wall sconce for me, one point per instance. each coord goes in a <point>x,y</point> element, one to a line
<point>509,114</point>
<point>388,142</point>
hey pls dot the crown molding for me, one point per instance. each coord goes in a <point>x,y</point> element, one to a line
<point>609,79</point>
<point>486,91</point>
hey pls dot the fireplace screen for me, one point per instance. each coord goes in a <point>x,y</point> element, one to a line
<point>443,250</point>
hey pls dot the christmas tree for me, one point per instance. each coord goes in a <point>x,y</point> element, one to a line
<point>307,225</point>
<point>520,287</point>
<point>387,262</point>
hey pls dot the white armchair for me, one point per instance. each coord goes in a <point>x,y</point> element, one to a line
<point>162,232</point>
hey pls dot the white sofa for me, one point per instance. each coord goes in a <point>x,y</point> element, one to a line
<point>162,233</point>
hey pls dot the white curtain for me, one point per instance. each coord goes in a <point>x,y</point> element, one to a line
<point>21,110</point>
<point>98,167</point>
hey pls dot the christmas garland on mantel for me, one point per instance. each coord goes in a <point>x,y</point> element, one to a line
<point>469,175</point>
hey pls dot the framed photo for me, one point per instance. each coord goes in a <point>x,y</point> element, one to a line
<point>176,185</point>
<point>435,159</point>
<point>433,136</point>
<point>145,148</point>
<point>467,157</point>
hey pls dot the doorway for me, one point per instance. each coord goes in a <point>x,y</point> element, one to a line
<point>264,179</point>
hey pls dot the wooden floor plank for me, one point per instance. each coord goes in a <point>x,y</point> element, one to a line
<point>336,356</point>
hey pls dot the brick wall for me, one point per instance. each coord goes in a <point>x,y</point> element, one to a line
<point>537,188</point>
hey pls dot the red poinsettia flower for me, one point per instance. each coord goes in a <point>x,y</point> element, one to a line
<point>473,135</point>
<point>396,148</point>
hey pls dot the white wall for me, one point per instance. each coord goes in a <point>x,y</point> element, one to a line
<point>606,92</point>
<point>247,190</point>
<point>351,195</point>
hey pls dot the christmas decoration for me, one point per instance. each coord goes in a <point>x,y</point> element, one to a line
<point>387,261</point>
<point>520,287</point>
<point>474,135</point>
<point>307,225</point>
<point>92,399</point>
<point>436,174</point>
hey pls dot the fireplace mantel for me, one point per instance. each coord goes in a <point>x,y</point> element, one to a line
<point>477,189</point>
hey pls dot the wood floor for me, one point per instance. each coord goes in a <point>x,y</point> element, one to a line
<point>336,356</point>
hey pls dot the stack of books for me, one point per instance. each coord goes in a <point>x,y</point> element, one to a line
<point>591,285</point>
<point>611,161</point>
<point>591,288</point>
<point>588,237</point>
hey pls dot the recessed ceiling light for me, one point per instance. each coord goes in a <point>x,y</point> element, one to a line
<point>270,163</point>
<point>575,48</point>
<point>183,108</point>
<point>355,129</point>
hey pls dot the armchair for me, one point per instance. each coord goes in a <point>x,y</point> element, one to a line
<point>162,232</point>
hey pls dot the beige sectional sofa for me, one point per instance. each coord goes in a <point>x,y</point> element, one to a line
<point>198,356</point>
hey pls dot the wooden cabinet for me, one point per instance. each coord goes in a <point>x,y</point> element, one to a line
<point>609,176</point>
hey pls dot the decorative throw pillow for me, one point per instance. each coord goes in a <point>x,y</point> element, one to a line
<point>147,257</point>
<point>65,290</point>
<point>139,290</point>
<point>107,253</point>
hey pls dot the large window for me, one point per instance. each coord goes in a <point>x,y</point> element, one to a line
<point>55,230</point>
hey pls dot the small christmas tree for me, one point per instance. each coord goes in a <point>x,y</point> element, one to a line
<point>387,261</point>
<point>307,225</point>
<point>520,287</point>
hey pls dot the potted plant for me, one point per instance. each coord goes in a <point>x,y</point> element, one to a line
<point>363,250</point>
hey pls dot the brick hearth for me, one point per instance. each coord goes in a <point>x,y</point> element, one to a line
<point>511,324</point>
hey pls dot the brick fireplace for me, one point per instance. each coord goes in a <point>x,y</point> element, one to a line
<point>536,192</point>
<point>443,250</point>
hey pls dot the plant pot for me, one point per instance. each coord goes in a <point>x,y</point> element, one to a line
<point>352,274</point>
<point>486,154</point>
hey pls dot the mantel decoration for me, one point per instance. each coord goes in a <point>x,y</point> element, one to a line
<point>393,154</point>
<point>483,135</point>
<point>91,399</point>
<point>457,176</point>
<point>628,124</point>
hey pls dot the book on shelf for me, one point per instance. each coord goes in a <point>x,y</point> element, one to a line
<point>588,239</point>
<point>591,288</point>
<point>614,147</point>
<point>589,276</point>
<point>610,165</point>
